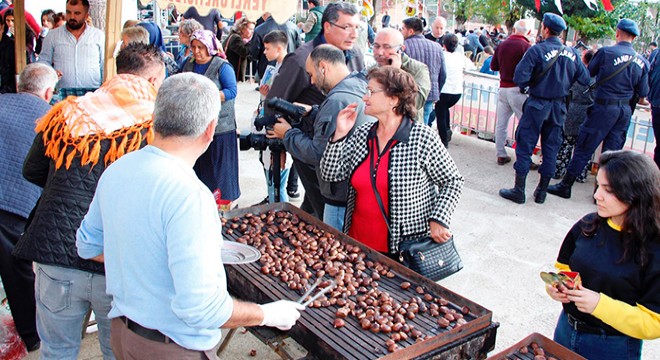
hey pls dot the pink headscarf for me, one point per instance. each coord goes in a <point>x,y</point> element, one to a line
<point>209,40</point>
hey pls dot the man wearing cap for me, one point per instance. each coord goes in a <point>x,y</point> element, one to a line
<point>546,71</point>
<point>616,89</point>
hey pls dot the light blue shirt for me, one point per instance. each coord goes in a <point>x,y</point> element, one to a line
<point>158,227</point>
<point>80,60</point>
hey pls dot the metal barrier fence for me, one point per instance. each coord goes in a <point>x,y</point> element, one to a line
<point>477,112</point>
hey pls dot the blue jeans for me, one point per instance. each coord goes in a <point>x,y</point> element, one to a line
<point>596,346</point>
<point>429,113</point>
<point>284,176</point>
<point>334,216</point>
<point>63,297</point>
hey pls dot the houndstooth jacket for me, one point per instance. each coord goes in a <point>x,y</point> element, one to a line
<point>424,183</point>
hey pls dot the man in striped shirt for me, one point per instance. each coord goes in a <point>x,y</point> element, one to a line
<point>75,51</point>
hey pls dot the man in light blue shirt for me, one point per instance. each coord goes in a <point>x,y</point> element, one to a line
<point>75,51</point>
<point>156,227</point>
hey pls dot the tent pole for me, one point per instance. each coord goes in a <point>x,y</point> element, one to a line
<point>19,43</point>
<point>112,36</point>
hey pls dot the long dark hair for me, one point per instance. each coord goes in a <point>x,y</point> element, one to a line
<point>634,180</point>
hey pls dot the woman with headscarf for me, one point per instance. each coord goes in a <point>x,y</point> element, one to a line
<point>236,45</point>
<point>156,39</point>
<point>217,168</point>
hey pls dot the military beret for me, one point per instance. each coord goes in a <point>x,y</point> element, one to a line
<point>554,22</point>
<point>628,26</point>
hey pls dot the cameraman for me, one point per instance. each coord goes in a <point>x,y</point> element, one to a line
<point>339,25</point>
<point>327,69</point>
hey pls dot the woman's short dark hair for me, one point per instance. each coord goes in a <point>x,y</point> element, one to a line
<point>451,42</point>
<point>399,84</point>
<point>634,180</point>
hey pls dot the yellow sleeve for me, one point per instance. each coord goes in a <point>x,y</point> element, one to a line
<point>635,321</point>
<point>562,267</point>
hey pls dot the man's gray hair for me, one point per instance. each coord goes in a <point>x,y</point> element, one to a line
<point>36,78</point>
<point>521,27</point>
<point>189,26</point>
<point>136,34</point>
<point>441,19</point>
<point>331,13</point>
<point>328,53</point>
<point>185,105</point>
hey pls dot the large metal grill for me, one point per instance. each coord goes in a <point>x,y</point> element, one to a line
<point>315,329</point>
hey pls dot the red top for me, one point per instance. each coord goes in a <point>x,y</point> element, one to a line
<point>367,224</point>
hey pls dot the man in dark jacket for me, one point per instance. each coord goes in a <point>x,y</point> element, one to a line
<point>328,70</point>
<point>76,140</point>
<point>18,114</point>
<point>339,24</point>
<point>429,53</point>
<point>510,100</point>
<point>257,42</point>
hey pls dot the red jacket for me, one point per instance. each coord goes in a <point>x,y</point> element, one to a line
<point>507,56</point>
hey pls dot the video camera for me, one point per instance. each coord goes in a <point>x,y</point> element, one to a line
<point>293,114</point>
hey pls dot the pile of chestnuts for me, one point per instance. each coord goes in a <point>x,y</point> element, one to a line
<point>299,253</point>
<point>536,350</point>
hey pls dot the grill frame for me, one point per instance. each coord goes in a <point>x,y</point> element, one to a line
<point>350,341</point>
<point>550,347</point>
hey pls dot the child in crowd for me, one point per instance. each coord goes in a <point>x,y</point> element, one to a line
<point>275,49</point>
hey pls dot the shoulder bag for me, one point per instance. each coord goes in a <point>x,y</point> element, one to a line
<point>423,255</point>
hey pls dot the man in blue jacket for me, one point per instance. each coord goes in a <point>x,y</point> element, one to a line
<point>18,114</point>
<point>547,70</point>
<point>609,118</point>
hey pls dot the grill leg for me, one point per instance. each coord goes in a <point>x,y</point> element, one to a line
<point>226,341</point>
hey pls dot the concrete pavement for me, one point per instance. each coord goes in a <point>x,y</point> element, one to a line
<point>504,246</point>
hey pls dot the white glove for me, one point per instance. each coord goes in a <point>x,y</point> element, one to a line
<point>281,314</point>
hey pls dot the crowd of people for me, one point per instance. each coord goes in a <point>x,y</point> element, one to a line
<point>138,164</point>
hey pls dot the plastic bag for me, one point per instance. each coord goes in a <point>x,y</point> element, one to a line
<point>12,346</point>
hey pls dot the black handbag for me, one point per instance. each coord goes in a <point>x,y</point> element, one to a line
<point>434,260</point>
<point>422,255</point>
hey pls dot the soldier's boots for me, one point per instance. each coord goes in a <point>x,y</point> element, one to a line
<point>517,194</point>
<point>563,188</point>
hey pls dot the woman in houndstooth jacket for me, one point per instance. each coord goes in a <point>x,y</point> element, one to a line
<point>416,179</point>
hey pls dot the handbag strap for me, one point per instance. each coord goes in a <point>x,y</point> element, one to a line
<point>538,77</point>
<point>372,177</point>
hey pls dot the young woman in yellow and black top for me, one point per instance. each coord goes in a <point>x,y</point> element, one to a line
<point>617,253</point>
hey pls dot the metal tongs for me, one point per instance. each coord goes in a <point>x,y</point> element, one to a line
<point>318,294</point>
